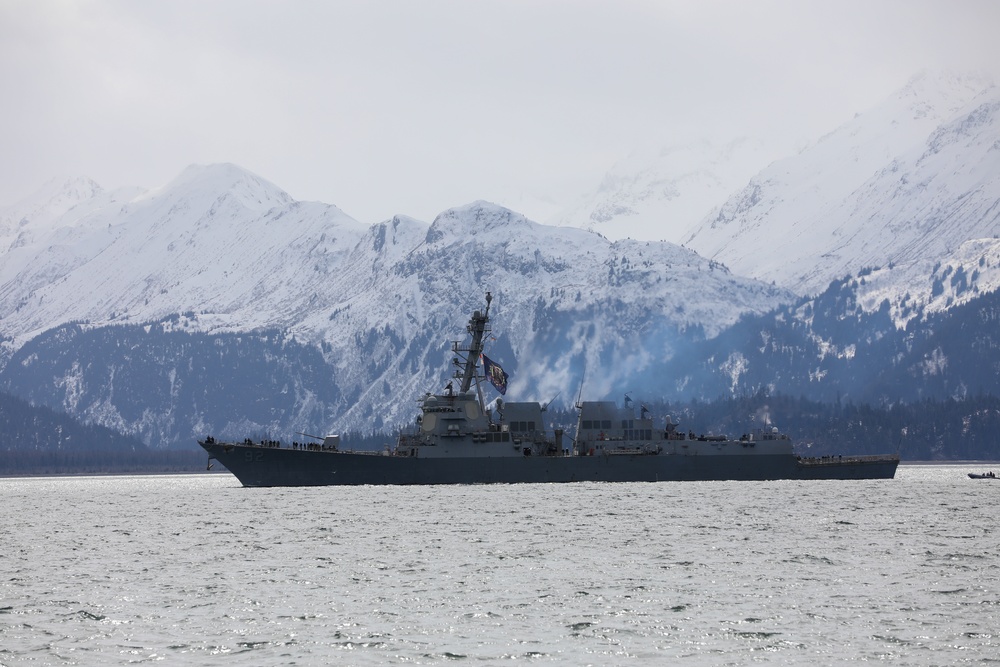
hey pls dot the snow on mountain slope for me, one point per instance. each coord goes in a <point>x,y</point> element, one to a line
<point>217,239</point>
<point>478,247</point>
<point>931,285</point>
<point>565,300</point>
<point>232,252</point>
<point>60,205</point>
<point>227,244</point>
<point>48,234</point>
<point>914,177</point>
<point>660,194</point>
<point>52,201</point>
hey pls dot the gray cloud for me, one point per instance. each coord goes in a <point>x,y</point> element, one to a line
<point>396,107</point>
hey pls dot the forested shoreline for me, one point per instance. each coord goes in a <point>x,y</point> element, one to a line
<point>36,440</point>
<point>929,430</point>
<point>40,441</point>
<point>97,462</point>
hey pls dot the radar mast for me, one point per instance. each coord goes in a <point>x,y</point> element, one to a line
<point>469,356</point>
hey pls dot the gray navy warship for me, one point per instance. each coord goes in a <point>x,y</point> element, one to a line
<point>458,439</point>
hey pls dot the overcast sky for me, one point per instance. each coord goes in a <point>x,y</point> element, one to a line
<point>413,107</point>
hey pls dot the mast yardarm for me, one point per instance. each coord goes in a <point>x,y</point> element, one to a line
<point>478,326</point>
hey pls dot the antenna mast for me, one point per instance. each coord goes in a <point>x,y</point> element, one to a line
<point>478,326</point>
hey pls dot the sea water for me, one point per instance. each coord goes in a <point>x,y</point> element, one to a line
<point>196,570</point>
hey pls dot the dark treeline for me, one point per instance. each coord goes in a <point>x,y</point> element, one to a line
<point>829,346</point>
<point>40,441</point>
<point>928,430</point>
<point>76,462</point>
<point>169,387</point>
<point>26,427</point>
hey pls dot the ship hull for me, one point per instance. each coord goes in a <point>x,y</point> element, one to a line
<point>265,466</point>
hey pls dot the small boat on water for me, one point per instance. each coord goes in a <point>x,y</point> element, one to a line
<point>984,475</point>
<point>459,439</point>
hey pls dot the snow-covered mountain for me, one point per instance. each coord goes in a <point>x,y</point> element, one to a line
<point>240,252</point>
<point>217,240</point>
<point>613,308</point>
<point>840,346</point>
<point>217,303</point>
<point>53,202</point>
<point>220,250</point>
<point>910,180</point>
<point>661,193</point>
<point>931,285</point>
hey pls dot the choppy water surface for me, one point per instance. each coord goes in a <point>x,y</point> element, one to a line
<point>185,569</point>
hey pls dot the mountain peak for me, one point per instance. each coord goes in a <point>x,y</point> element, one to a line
<point>53,200</point>
<point>210,182</point>
<point>474,219</point>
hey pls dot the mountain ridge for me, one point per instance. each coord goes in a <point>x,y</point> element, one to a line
<point>207,235</point>
<point>220,250</point>
<point>865,193</point>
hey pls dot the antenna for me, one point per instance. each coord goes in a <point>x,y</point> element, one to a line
<point>583,381</point>
<point>469,356</point>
